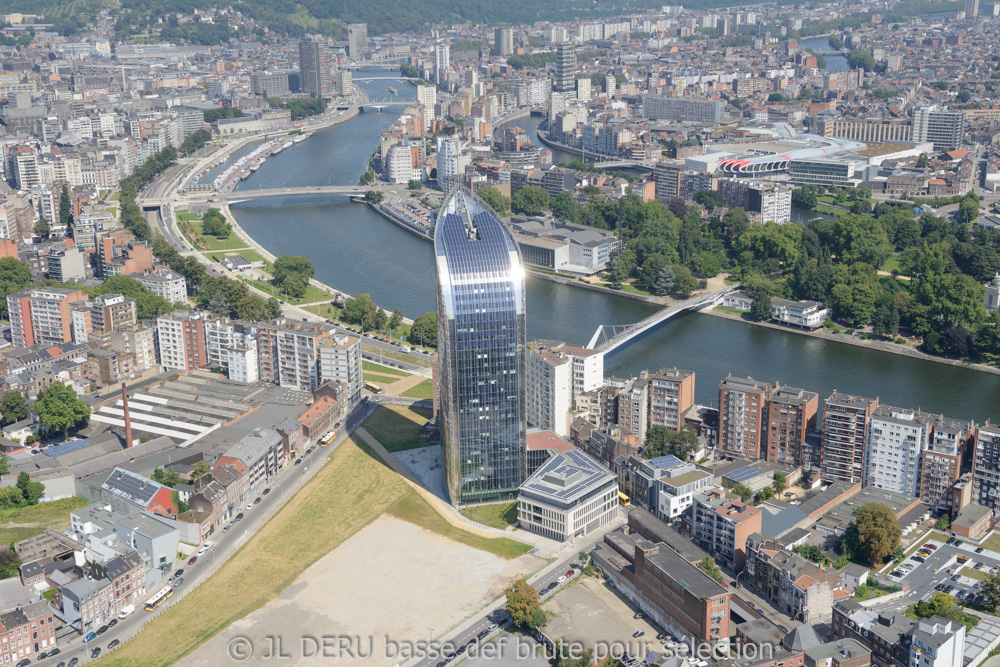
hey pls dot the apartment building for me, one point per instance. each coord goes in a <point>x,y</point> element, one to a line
<point>773,204</point>
<point>181,340</point>
<point>868,130</point>
<point>986,466</point>
<point>671,395</point>
<point>289,352</point>
<point>791,415</point>
<point>340,361</point>
<point>797,587</point>
<point>557,373</point>
<point>945,129</point>
<point>743,417</point>
<point>41,315</point>
<point>942,462</point>
<point>845,429</point>
<point>256,458</point>
<point>895,442</point>
<point>633,406</point>
<point>106,313</point>
<point>26,630</point>
<point>169,284</point>
<point>721,525</point>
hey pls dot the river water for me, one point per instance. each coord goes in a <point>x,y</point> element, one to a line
<point>356,250</point>
<point>834,63</point>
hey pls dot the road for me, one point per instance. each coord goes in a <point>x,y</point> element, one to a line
<point>939,566</point>
<point>283,486</point>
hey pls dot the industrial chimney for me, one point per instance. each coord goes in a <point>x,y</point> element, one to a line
<point>128,421</point>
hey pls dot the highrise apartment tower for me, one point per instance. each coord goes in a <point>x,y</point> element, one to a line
<point>503,42</point>
<point>442,61</point>
<point>357,40</point>
<point>565,81</point>
<point>481,338</point>
<point>971,8</point>
<point>314,67</point>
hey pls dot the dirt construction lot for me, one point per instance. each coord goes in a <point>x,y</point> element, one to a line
<point>591,613</point>
<point>392,581</point>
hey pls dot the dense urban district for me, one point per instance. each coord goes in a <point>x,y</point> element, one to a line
<point>206,451</point>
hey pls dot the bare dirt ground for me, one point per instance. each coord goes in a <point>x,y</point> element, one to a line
<point>391,582</point>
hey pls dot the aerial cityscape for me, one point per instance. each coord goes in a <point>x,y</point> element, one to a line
<point>614,334</point>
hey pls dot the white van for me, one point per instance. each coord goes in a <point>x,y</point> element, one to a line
<point>126,611</point>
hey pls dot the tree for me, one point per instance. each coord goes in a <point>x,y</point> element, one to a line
<point>294,287</point>
<point>878,532</point>
<point>686,282</point>
<point>886,321</point>
<point>968,210</point>
<point>743,491</point>
<point>922,161</point>
<point>166,477</point>
<point>836,42</point>
<point>665,281</point>
<point>860,58</point>
<point>59,408</point>
<point>4,464</point>
<point>942,522</point>
<point>374,197</point>
<point>65,207</point>
<point>522,605</point>
<point>31,491</point>
<point>10,564</point>
<point>217,304</point>
<point>178,503</point>
<point>200,468</point>
<point>496,200</point>
<point>765,494</point>
<point>780,480</point>
<point>805,197</point>
<point>664,441</point>
<point>708,198</point>
<point>288,266</point>
<point>42,229</point>
<point>424,331</point>
<point>991,591</point>
<point>414,184</point>
<point>566,208</point>
<point>760,309</point>
<point>708,566</point>
<point>530,200</point>
<point>395,319</point>
<point>13,408</point>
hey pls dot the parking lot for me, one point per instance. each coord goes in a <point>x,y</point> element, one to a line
<point>956,569</point>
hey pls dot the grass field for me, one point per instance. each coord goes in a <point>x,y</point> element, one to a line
<point>381,379</point>
<point>891,264</point>
<point>384,370</point>
<point>23,522</point>
<point>495,515</point>
<point>414,508</point>
<point>397,427</point>
<point>727,309</point>
<point>626,287</point>
<point>348,493</point>
<point>992,542</point>
<point>423,390</point>
<point>398,356</point>
<point>199,240</point>
<point>313,293</point>
<point>324,310</point>
<point>248,254</point>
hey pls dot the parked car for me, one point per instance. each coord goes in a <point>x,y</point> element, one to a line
<point>89,636</point>
<point>266,491</point>
<point>239,516</point>
<point>113,644</point>
<point>96,652</point>
<point>917,558</point>
<point>637,614</point>
<point>74,662</point>
<point>101,630</point>
<point>112,623</point>
<point>192,560</point>
<point>980,550</point>
<point>24,663</point>
<point>257,500</point>
<point>930,546</point>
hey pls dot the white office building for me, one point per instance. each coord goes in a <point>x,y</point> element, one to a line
<point>169,284</point>
<point>442,61</point>
<point>569,496</point>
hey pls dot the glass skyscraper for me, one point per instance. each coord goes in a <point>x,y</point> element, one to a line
<point>481,351</point>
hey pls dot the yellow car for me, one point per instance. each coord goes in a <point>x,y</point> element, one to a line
<point>923,554</point>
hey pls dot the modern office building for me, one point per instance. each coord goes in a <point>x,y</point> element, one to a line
<point>822,172</point>
<point>667,176</point>
<point>845,428</point>
<point>314,67</point>
<point>272,84</point>
<point>357,40</point>
<point>682,109</point>
<point>481,338</point>
<point>869,130</point>
<point>565,80</point>
<point>503,42</point>
<point>569,496</point>
<point>791,414</point>
<point>941,127</point>
<point>442,61</point>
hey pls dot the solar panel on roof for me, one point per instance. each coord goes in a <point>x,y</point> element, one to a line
<point>65,448</point>
<point>665,461</point>
<point>744,474</point>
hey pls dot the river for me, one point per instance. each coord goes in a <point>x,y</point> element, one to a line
<point>356,250</point>
<point>835,63</point>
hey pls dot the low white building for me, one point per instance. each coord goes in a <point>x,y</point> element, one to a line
<point>570,495</point>
<point>993,293</point>
<point>806,314</point>
<point>937,643</point>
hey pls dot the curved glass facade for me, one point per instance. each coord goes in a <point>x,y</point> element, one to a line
<point>481,351</point>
